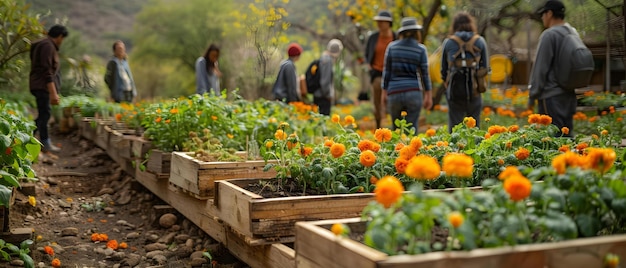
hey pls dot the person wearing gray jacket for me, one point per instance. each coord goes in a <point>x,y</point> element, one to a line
<point>287,87</point>
<point>558,103</point>
<point>323,97</point>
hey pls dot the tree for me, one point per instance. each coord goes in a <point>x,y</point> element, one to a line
<point>18,28</point>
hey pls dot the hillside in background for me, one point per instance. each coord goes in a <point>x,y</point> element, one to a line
<point>98,22</point>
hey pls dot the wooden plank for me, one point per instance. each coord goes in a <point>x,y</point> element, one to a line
<point>87,128</point>
<point>315,246</point>
<point>140,147</point>
<point>273,219</point>
<point>198,177</point>
<point>202,214</point>
<point>159,162</point>
<point>102,135</point>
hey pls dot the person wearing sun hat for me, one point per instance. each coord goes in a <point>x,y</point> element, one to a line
<point>323,97</point>
<point>375,48</point>
<point>405,82</point>
<point>287,85</point>
<point>557,102</point>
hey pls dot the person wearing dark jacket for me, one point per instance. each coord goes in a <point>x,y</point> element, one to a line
<point>118,76</point>
<point>375,55</point>
<point>287,85</point>
<point>463,26</point>
<point>45,80</point>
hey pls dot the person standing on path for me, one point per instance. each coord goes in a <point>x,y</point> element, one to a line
<point>207,72</point>
<point>118,76</point>
<point>323,97</point>
<point>375,55</point>
<point>557,102</point>
<point>45,80</point>
<point>287,85</point>
<point>406,83</point>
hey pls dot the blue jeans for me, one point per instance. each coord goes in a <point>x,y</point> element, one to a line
<point>410,102</point>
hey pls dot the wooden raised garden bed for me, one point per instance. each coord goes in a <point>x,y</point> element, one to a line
<point>87,127</point>
<point>317,246</point>
<point>198,177</point>
<point>159,163</point>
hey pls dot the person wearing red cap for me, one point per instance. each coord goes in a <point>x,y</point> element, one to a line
<point>287,85</point>
<point>557,102</point>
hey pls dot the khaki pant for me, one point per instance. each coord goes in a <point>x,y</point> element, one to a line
<point>379,107</point>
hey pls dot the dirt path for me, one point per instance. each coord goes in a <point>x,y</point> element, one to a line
<point>81,192</point>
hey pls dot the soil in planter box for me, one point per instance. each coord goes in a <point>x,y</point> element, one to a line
<point>271,189</point>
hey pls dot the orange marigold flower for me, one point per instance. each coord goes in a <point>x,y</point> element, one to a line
<point>382,134</point>
<point>367,158</point>
<point>399,146</point>
<point>269,144</point>
<point>373,179</point>
<point>455,219</point>
<point>328,143</point>
<point>522,153</point>
<point>487,136</point>
<point>305,151</point>
<point>335,118</point>
<point>388,190</point>
<point>123,245</point>
<point>416,144</point>
<point>48,250</point>
<point>403,113</point>
<point>401,164</point>
<point>518,187</point>
<point>118,117</point>
<point>545,119</point>
<point>291,145</point>
<point>500,161</point>
<point>604,132</point>
<point>508,145</point>
<point>430,132</point>
<point>493,130</point>
<point>513,128</point>
<point>364,145</point>
<point>56,263</point>
<point>174,111</point>
<point>112,244</point>
<point>568,159</point>
<point>508,172</point>
<point>600,159</point>
<point>423,167</point>
<point>280,134</point>
<point>581,146</point>
<point>349,120</point>
<point>564,148</point>
<point>533,118</point>
<point>565,130</point>
<point>594,136</point>
<point>167,121</point>
<point>458,165</point>
<point>470,122</point>
<point>337,150</point>
<point>158,119</point>
<point>406,153</point>
<point>338,229</point>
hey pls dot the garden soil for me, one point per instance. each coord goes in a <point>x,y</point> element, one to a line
<point>81,192</point>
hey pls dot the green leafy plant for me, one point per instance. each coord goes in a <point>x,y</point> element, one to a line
<point>7,250</point>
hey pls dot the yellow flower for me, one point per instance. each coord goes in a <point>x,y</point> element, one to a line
<point>423,167</point>
<point>214,117</point>
<point>568,159</point>
<point>349,120</point>
<point>600,159</point>
<point>32,201</point>
<point>470,122</point>
<point>403,113</point>
<point>335,118</point>
<point>280,134</point>
<point>415,144</point>
<point>284,125</point>
<point>604,132</point>
<point>230,136</point>
<point>269,144</point>
<point>339,229</point>
<point>388,190</point>
<point>272,120</point>
<point>458,165</point>
<point>455,219</point>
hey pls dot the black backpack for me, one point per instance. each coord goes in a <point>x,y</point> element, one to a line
<point>573,63</point>
<point>468,78</point>
<point>312,77</point>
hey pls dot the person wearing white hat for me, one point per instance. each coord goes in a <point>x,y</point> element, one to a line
<point>406,83</point>
<point>323,97</point>
<point>375,48</point>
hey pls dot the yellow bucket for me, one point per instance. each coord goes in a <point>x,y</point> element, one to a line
<point>501,68</point>
<point>434,67</point>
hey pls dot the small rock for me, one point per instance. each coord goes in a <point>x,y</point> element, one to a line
<point>63,214</point>
<point>155,246</point>
<point>133,235</point>
<point>195,262</point>
<point>109,251</point>
<point>118,256</point>
<point>160,259</point>
<point>29,218</point>
<point>167,239</point>
<point>152,238</point>
<point>168,220</point>
<point>109,210</point>
<point>64,204</point>
<point>17,262</point>
<point>124,198</point>
<point>69,231</point>
<point>132,260</point>
<point>104,191</point>
<point>189,243</point>
<point>196,254</point>
<point>151,254</point>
